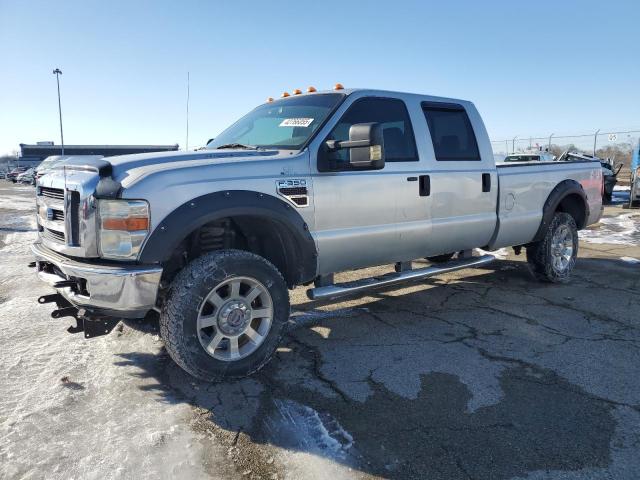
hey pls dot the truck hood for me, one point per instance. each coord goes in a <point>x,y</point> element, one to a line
<point>124,163</point>
<point>128,167</point>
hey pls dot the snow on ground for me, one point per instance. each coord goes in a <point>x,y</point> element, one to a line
<point>18,202</point>
<point>631,260</point>
<point>60,419</point>
<point>622,229</point>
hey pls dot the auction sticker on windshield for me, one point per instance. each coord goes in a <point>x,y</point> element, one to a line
<point>296,122</point>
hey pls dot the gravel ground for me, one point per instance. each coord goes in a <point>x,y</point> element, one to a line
<point>473,375</point>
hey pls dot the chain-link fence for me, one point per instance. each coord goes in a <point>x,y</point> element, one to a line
<point>616,146</point>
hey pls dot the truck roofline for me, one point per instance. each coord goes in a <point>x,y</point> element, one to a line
<point>382,93</point>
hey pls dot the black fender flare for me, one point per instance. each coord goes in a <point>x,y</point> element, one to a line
<point>557,195</point>
<point>175,227</point>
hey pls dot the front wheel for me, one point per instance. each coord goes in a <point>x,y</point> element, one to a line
<point>553,258</point>
<point>225,315</point>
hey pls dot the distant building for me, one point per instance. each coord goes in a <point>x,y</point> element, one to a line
<point>32,155</point>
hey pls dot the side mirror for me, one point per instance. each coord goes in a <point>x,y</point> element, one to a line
<point>365,144</point>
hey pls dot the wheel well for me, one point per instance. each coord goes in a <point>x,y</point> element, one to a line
<point>262,236</point>
<point>573,204</point>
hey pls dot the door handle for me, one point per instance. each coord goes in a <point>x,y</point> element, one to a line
<point>486,182</point>
<point>425,185</point>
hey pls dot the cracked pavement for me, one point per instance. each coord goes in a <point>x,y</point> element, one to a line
<point>475,374</point>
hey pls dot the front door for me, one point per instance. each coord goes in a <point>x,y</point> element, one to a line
<point>357,212</point>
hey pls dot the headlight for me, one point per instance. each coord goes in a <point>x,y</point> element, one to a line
<point>124,224</point>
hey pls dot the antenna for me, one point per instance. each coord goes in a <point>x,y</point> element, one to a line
<point>187,142</point>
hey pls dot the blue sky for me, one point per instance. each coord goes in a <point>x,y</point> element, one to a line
<point>532,68</point>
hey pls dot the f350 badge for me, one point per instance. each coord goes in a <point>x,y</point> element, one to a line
<point>294,190</point>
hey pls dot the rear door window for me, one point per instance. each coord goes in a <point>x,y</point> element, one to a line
<point>451,132</point>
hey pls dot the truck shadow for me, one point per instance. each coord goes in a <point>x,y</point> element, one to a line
<point>306,403</point>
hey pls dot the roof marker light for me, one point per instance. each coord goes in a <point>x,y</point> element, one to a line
<point>284,94</point>
<point>338,86</point>
<point>297,91</point>
<point>270,99</point>
<point>311,89</point>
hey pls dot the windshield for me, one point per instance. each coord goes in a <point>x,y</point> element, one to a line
<point>284,124</point>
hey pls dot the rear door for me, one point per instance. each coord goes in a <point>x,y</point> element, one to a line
<point>463,179</point>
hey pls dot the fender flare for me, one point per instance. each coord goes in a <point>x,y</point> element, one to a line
<point>175,227</point>
<point>557,195</point>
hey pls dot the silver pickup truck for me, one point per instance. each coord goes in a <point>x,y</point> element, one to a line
<point>298,189</point>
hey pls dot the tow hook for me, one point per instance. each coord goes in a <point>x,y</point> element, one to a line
<point>91,325</point>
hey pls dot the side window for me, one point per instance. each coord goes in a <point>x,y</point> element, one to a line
<point>391,114</point>
<point>451,132</point>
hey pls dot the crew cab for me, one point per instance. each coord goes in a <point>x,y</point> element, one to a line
<point>298,189</point>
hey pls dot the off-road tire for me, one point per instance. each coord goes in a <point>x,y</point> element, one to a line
<point>179,313</point>
<point>441,258</point>
<point>540,257</point>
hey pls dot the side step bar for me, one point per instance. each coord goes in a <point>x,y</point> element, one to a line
<point>359,286</point>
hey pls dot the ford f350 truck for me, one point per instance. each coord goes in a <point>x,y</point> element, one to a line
<point>298,189</point>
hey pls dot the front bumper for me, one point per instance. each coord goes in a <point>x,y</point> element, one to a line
<point>127,291</point>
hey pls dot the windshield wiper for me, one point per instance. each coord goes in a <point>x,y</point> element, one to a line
<point>237,145</point>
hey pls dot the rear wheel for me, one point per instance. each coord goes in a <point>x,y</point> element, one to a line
<point>554,257</point>
<point>225,315</point>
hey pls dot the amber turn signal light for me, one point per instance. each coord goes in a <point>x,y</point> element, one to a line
<point>130,224</point>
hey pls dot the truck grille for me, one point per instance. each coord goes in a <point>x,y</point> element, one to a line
<point>56,193</point>
<point>53,235</point>
<point>58,215</point>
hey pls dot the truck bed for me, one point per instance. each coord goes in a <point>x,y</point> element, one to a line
<point>524,188</point>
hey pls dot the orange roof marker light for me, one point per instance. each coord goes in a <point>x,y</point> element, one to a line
<point>284,94</point>
<point>338,86</point>
<point>297,91</point>
<point>311,89</point>
<point>270,99</point>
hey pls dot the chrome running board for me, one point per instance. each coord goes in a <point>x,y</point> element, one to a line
<point>359,286</point>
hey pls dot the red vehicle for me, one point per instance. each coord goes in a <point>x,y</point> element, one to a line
<point>13,174</point>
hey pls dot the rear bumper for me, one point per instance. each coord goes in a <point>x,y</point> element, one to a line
<point>127,291</point>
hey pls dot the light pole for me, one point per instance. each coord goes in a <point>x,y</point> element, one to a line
<point>57,72</point>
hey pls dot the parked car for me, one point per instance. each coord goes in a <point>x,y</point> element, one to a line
<point>13,174</point>
<point>296,190</point>
<point>28,176</point>
<point>634,193</point>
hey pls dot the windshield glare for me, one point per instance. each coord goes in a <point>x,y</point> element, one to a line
<point>284,124</point>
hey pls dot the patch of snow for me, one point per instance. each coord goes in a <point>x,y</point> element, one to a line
<point>18,202</point>
<point>500,254</point>
<point>630,260</point>
<point>619,230</point>
<point>317,447</point>
<point>75,408</point>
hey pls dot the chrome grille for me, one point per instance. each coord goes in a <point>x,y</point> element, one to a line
<point>53,235</point>
<point>58,215</point>
<point>56,193</point>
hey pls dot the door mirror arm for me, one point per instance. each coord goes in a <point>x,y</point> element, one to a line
<point>365,145</point>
